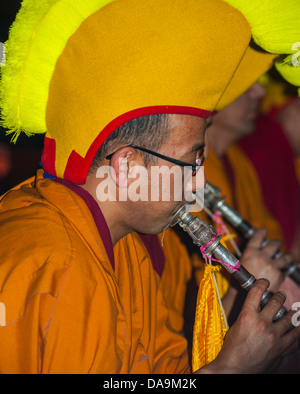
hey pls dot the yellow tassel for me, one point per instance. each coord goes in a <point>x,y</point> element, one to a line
<point>210,324</point>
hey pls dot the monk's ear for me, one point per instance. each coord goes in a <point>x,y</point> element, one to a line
<point>120,166</point>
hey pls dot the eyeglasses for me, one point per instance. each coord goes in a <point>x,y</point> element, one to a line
<point>195,167</point>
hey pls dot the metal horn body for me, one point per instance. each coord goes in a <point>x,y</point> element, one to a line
<point>215,202</point>
<point>203,235</point>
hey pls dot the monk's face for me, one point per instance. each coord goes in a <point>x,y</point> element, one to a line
<point>289,119</point>
<point>240,116</point>
<point>169,186</point>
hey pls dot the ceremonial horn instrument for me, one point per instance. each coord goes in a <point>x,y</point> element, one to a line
<point>204,236</point>
<point>214,201</point>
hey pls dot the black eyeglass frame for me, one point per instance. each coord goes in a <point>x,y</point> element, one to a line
<point>170,159</point>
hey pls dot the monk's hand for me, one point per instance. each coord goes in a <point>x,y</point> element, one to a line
<point>259,260</point>
<point>255,342</point>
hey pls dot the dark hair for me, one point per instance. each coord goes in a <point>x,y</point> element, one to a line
<point>147,131</point>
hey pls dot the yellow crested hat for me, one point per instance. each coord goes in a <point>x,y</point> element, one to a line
<point>78,70</point>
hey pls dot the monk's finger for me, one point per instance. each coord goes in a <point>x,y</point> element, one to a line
<point>257,238</point>
<point>255,294</point>
<point>284,261</point>
<point>271,247</point>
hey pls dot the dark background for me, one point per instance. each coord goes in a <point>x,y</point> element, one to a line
<point>21,160</point>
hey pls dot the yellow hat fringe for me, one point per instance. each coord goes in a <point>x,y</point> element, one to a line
<point>40,31</point>
<point>18,52</point>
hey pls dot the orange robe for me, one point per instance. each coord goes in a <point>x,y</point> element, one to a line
<point>67,309</point>
<point>175,277</point>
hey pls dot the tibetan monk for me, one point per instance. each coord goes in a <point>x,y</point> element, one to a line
<point>229,167</point>
<point>272,149</point>
<point>232,171</point>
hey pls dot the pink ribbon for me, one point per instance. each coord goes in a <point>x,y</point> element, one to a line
<point>236,267</point>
